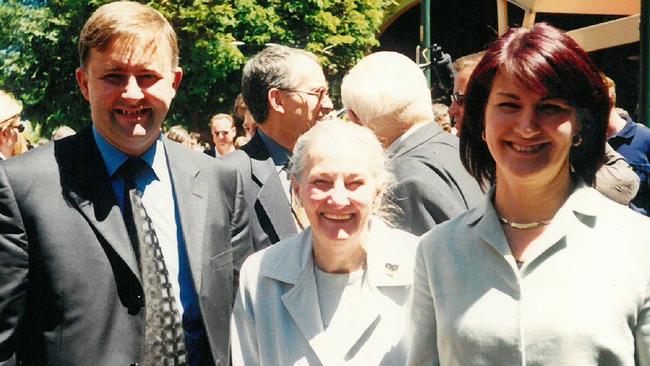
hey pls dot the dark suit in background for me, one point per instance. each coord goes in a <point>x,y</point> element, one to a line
<point>270,211</point>
<point>70,290</point>
<point>432,184</point>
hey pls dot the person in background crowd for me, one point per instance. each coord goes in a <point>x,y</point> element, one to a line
<point>11,140</point>
<point>286,92</point>
<point>118,246</point>
<point>248,126</point>
<point>61,132</point>
<point>335,293</point>
<point>546,271</point>
<point>616,179</point>
<point>432,185</point>
<point>179,134</point>
<point>632,140</point>
<point>222,128</point>
<point>463,68</point>
<point>197,142</point>
<point>441,116</point>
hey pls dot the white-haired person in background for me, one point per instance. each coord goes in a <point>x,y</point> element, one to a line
<point>432,185</point>
<point>11,139</point>
<point>335,293</point>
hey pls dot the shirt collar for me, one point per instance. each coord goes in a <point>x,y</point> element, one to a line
<point>279,154</point>
<point>628,130</point>
<point>114,158</point>
<point>582,203</point>
<point>392,149</point>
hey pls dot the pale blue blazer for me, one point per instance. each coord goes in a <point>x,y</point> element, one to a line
<point>277,320</point>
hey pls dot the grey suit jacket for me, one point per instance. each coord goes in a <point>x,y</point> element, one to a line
<point>277,319</point>
<point>432,184</point>
<point>270,211</point>
<point>70,291</point>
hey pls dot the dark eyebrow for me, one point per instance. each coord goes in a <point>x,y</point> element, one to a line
<point>551,97</point>
<point>509,95</point>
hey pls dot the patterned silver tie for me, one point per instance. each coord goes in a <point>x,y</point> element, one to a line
<point>163,337</point>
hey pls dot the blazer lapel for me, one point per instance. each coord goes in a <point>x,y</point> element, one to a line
<point>191,194</point>
<point>302,304</point>
<point>271,194</point>
<point>88,187</point>
<point>272,197</point>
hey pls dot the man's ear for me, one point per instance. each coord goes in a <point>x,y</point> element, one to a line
<point>82,81</point>
<point>295,187</point>
<point>178,76</point>
<point>353,117</point>
<point>275,100</point>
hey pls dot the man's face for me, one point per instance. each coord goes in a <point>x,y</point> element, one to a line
<point>130,88</point>
<point>457,110</point>
<point>249,124</point>
<point>309,101</point>
<point>223,132</point>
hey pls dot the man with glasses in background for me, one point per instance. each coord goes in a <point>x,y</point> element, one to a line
<point>222,128</point>
<point>463,68</point>
<point>11,140</point>
<point>286,92</point>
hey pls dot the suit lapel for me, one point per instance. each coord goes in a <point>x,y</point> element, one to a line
<point>191,201</point>
<point>274,200</point>
<point>88,187</point>
<point>271,194</point>
<point>302,304</point>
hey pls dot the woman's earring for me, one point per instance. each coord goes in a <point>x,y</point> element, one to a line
<point>576,140</point>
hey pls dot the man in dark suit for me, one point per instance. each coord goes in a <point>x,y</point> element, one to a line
<point>432,184</point>
<point>72,283</point>
<point>286,92</point>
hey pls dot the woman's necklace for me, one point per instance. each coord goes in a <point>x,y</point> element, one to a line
<point>523,225</point>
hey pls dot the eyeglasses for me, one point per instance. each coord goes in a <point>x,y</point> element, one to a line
<point>321,92</point>
<point>224,133</point>
<point>14,122</point>
<point>458,97</point>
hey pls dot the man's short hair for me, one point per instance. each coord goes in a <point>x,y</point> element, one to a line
<point>128,21</point>
<point>467,61</point>
<point>239,108</point>
<point>220,116</point>
<point>270,68</point>
<point>387,85</point>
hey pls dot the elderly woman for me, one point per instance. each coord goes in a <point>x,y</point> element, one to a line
<point>335,294</point>
<point>547,271</point>
<point>11,140</point>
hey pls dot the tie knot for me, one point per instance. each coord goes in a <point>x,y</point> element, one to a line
<point>130,169</point>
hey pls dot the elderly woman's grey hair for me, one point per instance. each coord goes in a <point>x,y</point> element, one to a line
<point>337,132</point>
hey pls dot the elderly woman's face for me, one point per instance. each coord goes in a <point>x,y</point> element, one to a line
<point>528,134</point>
<point>338,191</point>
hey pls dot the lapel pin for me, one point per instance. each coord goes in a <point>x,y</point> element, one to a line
<point>391,268</point>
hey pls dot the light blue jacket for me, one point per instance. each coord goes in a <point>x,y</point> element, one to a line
<point>582,297</point>
<point>277,320</point>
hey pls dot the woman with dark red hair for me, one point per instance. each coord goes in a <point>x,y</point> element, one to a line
<point>546,271</point>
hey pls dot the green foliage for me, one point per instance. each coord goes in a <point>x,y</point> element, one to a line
<point>38,51</point>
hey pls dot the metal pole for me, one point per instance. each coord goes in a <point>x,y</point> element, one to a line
<point>425,34</point>
<point>644,64</point>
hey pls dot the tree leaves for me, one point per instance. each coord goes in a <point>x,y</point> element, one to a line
<point>38,54</point>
